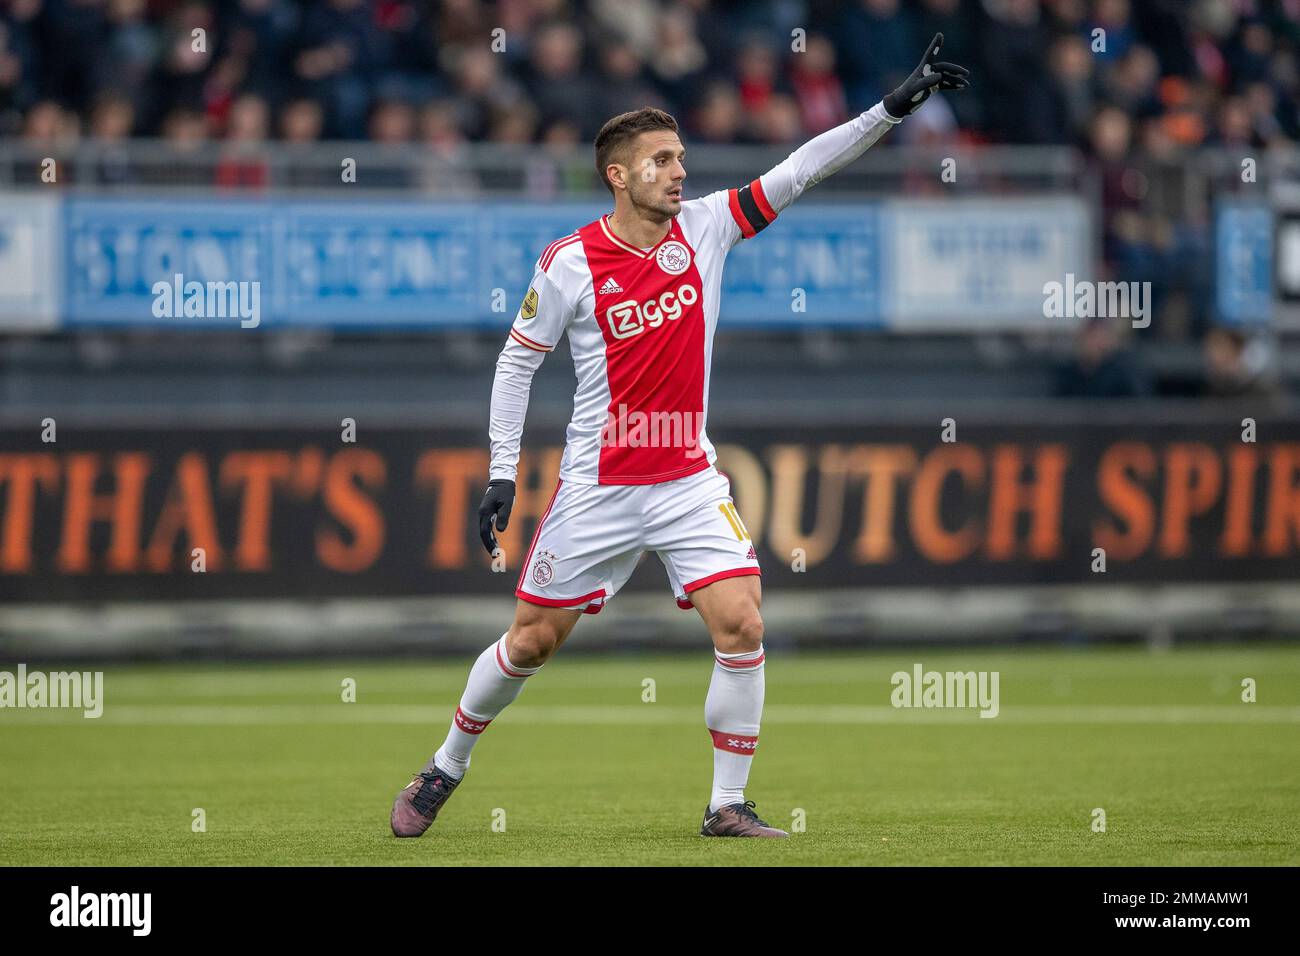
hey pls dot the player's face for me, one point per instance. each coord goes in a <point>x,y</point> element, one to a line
<point>656,175</point>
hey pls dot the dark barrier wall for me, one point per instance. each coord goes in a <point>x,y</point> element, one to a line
<point>114,513</point>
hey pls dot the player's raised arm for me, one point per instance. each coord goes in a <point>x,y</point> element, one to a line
<point>756,205</point>
<point>539,323</point>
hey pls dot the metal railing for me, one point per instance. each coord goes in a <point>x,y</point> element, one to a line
<point>491,170</point>
<point>494,170</point>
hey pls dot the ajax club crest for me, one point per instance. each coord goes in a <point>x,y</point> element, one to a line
<point>673,257</point>
<point>543,571</point>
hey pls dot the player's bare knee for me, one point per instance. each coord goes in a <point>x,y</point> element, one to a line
<point>740,633</point>
<point>531,644</point>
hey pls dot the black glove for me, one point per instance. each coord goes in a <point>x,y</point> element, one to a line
<point>928,75</point>
<point>497,502</point>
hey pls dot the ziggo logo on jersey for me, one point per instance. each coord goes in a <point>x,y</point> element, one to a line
<point>629,318</point>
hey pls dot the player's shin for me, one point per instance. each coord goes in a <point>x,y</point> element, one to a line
<point>733,710</point>
<point>493,683</point>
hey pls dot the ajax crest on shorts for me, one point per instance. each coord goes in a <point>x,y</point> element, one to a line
<point>543,570</point>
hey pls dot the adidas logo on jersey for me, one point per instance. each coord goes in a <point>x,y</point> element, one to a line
<point>610,286</point>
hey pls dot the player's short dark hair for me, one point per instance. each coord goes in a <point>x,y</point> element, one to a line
<point>618,132</point>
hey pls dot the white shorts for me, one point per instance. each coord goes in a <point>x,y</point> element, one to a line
<point>591,537</point>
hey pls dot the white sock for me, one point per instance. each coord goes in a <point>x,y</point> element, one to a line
<point>493,683</point>
<point>733,710</point>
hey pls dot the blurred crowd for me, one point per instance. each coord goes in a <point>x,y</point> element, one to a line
<point>1165,73</point>
<point>1136,85</point>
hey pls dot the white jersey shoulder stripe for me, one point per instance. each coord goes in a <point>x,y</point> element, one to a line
<point>553,245</point>
<point>544,263</point>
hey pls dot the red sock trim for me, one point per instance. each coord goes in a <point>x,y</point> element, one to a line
<point>504,664</point>
<point>468,724</point>
<point>735,743</point>
<point>741,665</point>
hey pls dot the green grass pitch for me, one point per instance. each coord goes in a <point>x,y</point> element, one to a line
<point>583,771</point>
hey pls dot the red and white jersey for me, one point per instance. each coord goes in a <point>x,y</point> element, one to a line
<point>641,322</point>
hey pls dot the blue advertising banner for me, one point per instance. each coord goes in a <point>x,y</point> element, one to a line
<point>399,264</point>
<point>117,250</point>
<point>322,263</point>
<point>1243,240</point>
<point>816,265</point>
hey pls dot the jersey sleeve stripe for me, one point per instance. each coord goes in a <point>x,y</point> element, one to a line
<point>748,211</point>
<point>733,201</point>
<point>760,198</point>
<point>554,249</point>
<point>547,251</point>
<point>526,341</point>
